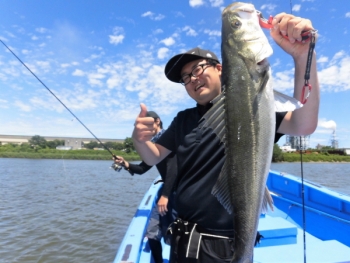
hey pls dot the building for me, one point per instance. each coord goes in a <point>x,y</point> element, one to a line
<point>298,142</point>
<point>73,142</point>
<point>287,149</point>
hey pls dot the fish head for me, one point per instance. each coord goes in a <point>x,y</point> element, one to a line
<point>241,31</point>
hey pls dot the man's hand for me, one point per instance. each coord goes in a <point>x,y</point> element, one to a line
<point>163,205</point>
<point>144,129</point>
<point>291,26</point>
<point>120,161</point>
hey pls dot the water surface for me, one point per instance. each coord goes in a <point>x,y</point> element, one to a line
<point>78,211</point>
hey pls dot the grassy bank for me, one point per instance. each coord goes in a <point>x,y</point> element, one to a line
<point>315,157</point>
<point>104,155</point>
<point>74,154</point>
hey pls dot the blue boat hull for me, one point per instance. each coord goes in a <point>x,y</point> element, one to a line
<point>326,224</point>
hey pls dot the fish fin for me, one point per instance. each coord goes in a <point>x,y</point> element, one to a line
<point>284,102</point>
<point>221,189</point>
<point>267,202</point>
<point>214,118</point>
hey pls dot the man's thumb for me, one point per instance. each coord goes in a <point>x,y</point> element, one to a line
<point>143,110</point>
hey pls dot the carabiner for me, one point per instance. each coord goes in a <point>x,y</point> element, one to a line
<point>305,96</point>
<point>267,24</point>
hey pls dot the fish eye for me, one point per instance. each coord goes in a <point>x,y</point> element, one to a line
<point>236,23</point>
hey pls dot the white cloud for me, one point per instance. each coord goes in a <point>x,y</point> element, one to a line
<point>323,123</point>
<point>215,33</point>
<point>41,30</point>
<point>3,103</point>
<point>168,41</point>
<point>45,65</point>
<point>94,79</point>
<point>269,8</point>
<point>149,13</point>
<point>196,3</point>
<point>347,14</point>
<point>335,75</point>
<point>296,8</point>
<point>159,17</point>
<point>163,53</point>
<point>118,36</point>
<point>153,16</point>
<point>157,31</point>
<point>22,106</point>
<point>216,3</point>
<point>35,37</point>
<point>189,31</point>
<point>115,40</point>
<point>322,59</point>
<point>78,73</point>
<point>283,81</point>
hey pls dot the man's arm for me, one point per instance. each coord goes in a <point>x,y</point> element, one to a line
<point>304,120</point>
<point>140,168</point>
<point>143,132</point>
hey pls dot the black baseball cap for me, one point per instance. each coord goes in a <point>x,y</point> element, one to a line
<point>152,114</point>
<point>175,64</point>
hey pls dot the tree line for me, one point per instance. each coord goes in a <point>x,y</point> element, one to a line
<point>38,142</point>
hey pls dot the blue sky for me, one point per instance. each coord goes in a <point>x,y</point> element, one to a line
<point>103,58</point>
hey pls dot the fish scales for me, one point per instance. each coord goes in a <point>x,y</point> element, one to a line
<point>249,121</point>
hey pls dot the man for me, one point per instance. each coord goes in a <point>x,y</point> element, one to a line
<point>200,155</point>
<point>162,215</point>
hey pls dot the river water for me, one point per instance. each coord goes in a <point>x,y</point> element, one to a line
<point>78,211</point>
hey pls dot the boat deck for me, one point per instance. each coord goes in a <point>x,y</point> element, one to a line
<point>282,242</point>
<point>327,237</point>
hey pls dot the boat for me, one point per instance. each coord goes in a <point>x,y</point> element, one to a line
<point>312,229</point>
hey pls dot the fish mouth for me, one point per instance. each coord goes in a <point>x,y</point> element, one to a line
<point>262,62</point>
<point>253,39</point>
<point>262,65</point>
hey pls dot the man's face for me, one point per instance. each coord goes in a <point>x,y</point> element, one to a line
<point>206,86</point>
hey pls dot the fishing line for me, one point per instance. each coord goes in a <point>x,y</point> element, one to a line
<point>303,196</point>
<point>57,98</point>
<point>302,177</point>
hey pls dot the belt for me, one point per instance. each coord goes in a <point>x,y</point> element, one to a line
<point>194,234</point>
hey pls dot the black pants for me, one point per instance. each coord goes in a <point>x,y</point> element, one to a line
<point>212,250</point>
<point>204,247</point>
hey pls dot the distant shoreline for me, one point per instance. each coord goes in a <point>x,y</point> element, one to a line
<point>136,157</point>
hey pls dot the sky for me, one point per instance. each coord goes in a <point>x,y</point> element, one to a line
<point>103,58</point>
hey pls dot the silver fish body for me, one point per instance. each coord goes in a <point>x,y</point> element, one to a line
<point>247,107</point>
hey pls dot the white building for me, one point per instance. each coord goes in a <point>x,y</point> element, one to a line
<point>287,149</point>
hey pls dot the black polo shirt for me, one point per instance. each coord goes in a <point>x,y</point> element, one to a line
<point>200,157</point>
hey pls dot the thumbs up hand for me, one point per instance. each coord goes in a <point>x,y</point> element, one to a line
<point>144,126</point>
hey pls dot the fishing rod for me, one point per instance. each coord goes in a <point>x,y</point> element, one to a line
<point>115,166</point>
<point>304,99</point>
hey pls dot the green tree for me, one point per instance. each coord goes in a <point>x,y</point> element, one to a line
<point>25,147</point>
<point>53,144</point>
<point>128,145</point>
<point>277,155</point>
<point>92,145</point>
<point>37,142</point>
<point>119,146</point>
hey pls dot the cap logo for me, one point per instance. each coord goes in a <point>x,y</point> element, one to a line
<point>209,55</point>
<point>193,52</point>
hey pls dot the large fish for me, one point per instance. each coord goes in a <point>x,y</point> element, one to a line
<point>243,116</point>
